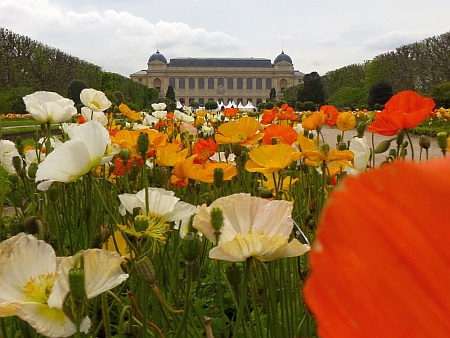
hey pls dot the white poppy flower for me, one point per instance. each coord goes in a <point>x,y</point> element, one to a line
<point>35,289</point>
<point>7,152</point>
<point>94,99</point>
<point>150,120</point>
<point>360,147</point>
<point>159,106</point>
<point>78,156</point>
<point>98,116</point>
<point>49,107</point>
<point>252,227</point>
<point>180,116</point>
<point>160,114</point>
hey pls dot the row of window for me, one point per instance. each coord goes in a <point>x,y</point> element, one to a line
<point>212,83</point>
<point>201,101</point>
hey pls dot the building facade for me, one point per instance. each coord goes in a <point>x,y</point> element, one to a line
<point>241,80</point>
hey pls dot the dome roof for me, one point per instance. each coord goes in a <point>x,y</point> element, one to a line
<point>282,57</point>
<point>157,57</point>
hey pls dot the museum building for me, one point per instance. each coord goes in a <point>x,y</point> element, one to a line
<point>241,80</point>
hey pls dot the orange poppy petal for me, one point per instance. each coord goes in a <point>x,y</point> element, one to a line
<point>380,262</point>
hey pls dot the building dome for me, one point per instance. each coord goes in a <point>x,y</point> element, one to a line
<point>157,57</point>
<point>282,57</point>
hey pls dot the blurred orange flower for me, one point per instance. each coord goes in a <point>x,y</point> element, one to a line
<point>282,134</point>
<point>125,110</point>
<point>284,113</point>
<point>404,110</point>
<point>331,114</point>
<point>316,119</point>
<point>204,149</point>
<point>245,131</point>
<point>230,112</point>
<point>380,261</point>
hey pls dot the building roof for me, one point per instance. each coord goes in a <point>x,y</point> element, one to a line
<point>221,62</point>
<point>282,57</point>
<point>157,57</point>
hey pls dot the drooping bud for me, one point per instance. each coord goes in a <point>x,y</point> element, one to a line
<point>33,225</point>
<point>142,143</point>
<point>191,246</point>
<point>218,177</point>
<point>145,270</point>
<point>264,193</point>
<point>424,142</point>
<point>382,147</point>
<point>234,275</point>
<point>17,162</point>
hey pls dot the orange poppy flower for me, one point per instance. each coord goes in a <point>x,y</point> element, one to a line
<point>268,159</point>
<point>125,110</point>
<point>268,116</point>
<point>204,149</point>
<point>282,134</point>
<point>346,121</point>
<point>316,119</point>
<point>245,131</point>
<point>380,261</point>
<point>284,113</point>
<point>128,139</point>
<point>204,172</point>
<point>230,112</point>
<point>331,114</point>
<point>404,110</point>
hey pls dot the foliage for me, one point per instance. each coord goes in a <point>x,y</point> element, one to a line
<point>170,94</point>
<point>349,97</point>
<point>11,100</point>
<point>272,95</point>
<point>348,76</point>
<point>74,89</point>
<point>441,94</point>
<point>379,94</point>
<point>211,105</point>
<point>312,89</point>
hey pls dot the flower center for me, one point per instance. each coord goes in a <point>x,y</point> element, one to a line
<point>241,136</point>
<point>38,289</point>
<point>95,103</point>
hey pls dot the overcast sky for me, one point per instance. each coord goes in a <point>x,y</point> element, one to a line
<point>320,35</point>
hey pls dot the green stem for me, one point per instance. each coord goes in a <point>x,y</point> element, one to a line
<point>240,315</point>
<point>105,315</point>
<point>182,327</point>
<point>410,144</point>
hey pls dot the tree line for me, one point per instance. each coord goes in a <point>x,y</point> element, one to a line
<point>422,66</point>
<point>27,66</point>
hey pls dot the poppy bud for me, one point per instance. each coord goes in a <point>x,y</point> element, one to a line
<point>13,179</point>
<point>77,286</point>
<point>233,274</point>
<point>191,246</point>
<point>400,137</point>
<point>16,198</point>
<point>125,155</point>
<point>53,194</point>
<point>218,177</point>
<point>237,149</point>
<point>142,143</point>
<point>264,193</point>
<point>274,140</point>
<point>33,225</point>
<point>325,149</point>
<point>32,169</point>
<point>17,162</point>
<point>145,270</point>
<point>424,142</point>
<point>217,218</point>
<point>442,140</point>
<point>339,138</point>
<point>361,128</point>
<point>382,147</point>
<point>342,146</point>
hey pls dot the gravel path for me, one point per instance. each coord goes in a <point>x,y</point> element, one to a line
<point>330,135</point>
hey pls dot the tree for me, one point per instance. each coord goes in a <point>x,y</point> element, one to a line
<point>74,89</point>
<point>211,105</point>
<point>272,95</point>
<point>441,95</point>
<point>312,89</point>
<point>170,94</point>
<point>348,97</point>
<point>194,105</point>
<point>379,93</point>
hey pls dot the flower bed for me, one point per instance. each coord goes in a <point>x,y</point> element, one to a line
<point>197,223</point>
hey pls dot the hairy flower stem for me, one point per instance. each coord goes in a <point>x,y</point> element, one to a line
<point>105,315</point>
<point>182,327</point>
<point>240,316</point>
<point>410,144</point>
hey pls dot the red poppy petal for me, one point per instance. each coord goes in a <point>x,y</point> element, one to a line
<point>380,263</point>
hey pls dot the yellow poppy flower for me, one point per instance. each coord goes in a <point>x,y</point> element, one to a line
<point>346,121</point>
<point>245,131</point>
<point>125,110</point>
<point>170,154</point>
<point>268,159</point>
<point>127,139</point>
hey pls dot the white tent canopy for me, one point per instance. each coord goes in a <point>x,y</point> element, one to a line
<point>231,104</point>
<point>249,106</point>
